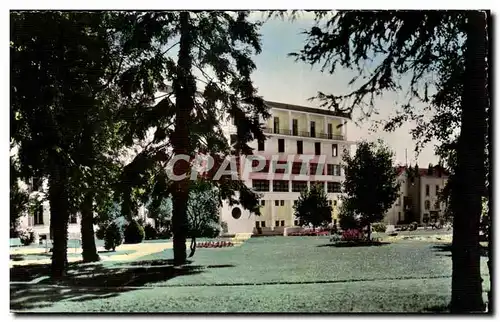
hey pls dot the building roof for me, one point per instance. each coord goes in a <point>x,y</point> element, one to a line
<point>437,171</point>
<point>306,109</point>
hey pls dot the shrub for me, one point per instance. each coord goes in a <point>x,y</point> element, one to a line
<point>100,232</point>
<point>413,226</point>
<point>134,233</point>
<point>27,237</point>
<point>335,238</point>
<point>209,232</point>
<point>379,227</point>
<point>150,232</point>
<point>112,237</point>
<point>352,235</point>
<point>164,233</point>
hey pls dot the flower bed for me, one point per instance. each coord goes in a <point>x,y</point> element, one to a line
<point>214,244</point>
<point>310,233</point>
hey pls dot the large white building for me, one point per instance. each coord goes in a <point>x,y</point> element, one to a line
<point>296,135</point>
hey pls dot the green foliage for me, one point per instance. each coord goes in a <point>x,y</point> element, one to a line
<point>347,219</point>
<point>113,236</point>
<point>27,237</point>
<point>312,207</point>
<point>203,210</point>
<point>370,185</point>
<point>100,232</point>
<point>379,227</point>
<point>134,233</point>
<point>150,232</point>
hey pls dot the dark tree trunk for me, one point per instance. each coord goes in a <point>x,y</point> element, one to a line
<point>369,232</point>
<point>59,215</point>
<point>185,89</point>
<point>89,249</point>
<point>470,175</point>
<point>490,176</point>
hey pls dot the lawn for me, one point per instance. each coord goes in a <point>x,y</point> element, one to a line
<point>271,274</point>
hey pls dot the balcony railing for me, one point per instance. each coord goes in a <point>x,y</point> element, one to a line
<point>306,134</point>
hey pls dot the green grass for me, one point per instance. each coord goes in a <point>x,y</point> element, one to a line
<point>271,274</point>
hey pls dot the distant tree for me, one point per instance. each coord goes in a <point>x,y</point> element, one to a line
<point>203,212</point>
<point>312,206</point>
<point>370,185</point>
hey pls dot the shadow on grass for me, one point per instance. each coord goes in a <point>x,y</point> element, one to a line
<point>355,244</point>
<point>91,281</point>
<point>445,250</point>
<point>438,309</point>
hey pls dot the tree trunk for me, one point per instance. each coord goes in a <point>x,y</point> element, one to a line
<point>490,175</point>
<point>470,175</point>
<point>184,86</point>
<point>59,215</point>
<point>89,250</point>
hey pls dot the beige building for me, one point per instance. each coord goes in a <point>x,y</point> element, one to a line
<point>418,196</point>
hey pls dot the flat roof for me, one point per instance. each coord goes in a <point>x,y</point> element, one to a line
<point>306,109</point>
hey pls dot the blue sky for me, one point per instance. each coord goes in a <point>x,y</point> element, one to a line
<point>279,78</point>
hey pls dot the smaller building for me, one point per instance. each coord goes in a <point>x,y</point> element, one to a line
<point>418,195</point>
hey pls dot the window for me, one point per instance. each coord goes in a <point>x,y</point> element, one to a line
<point>73,219</point>
<point>437,190</point>
<point>281,145</point>
<point>276,223</point>
<point>263,224</point>
<point>313,167</point>
<point>335,202</point>
<point>329,202</point>
<point>282,203</point>
<point>257,224</point>
<point>236,213</point>
<point>276,125</point>
<point>437,205</point>
<point>295,127</point>
<point>262,202</point>
<point>427,189</point>
<point>313,129</point>
<point>330,130</point>
<point>276,203</point>
<point>335,149</point>
<point>36,183</point>
<point>333,187</point>
<point>282,223</point>
<point>298,186</point>
<point>300,147</point>
<point>280,186</point>
<point>398,201</point>
<point>255,163</point>
<point>317,148</point>
<point>232,139</point>
<point>427,205</point>
<point>329,169</point>
<point>336,170</point>
<point>296,167</point>
<point>260,146</point>
<point>38,215</point>
<point>280,169</point>
<point>260,185</point>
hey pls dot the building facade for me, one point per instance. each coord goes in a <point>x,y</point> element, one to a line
<point>418,196</point>
<point>304,146</point>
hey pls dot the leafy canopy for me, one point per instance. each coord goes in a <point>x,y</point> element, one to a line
<point>370,185</point>
<point>312,206</point>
